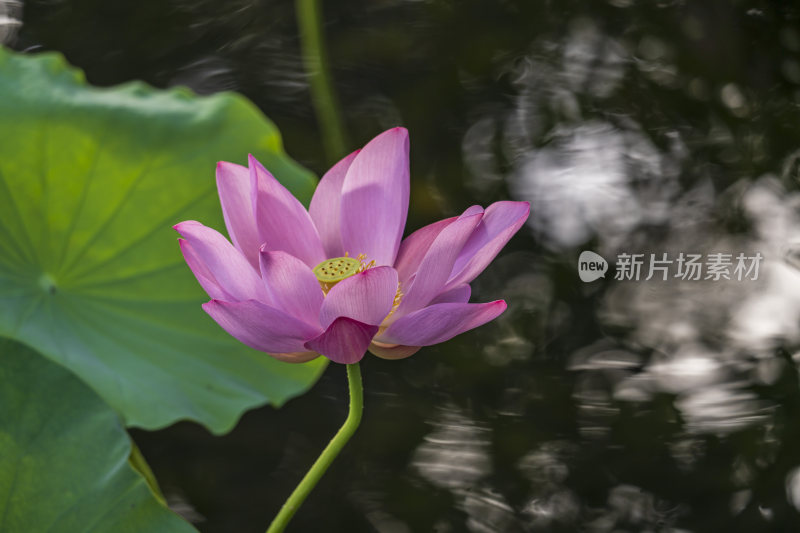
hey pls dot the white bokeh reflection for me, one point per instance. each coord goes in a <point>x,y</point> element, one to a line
<point>554,507</point>
<point>631,506</point>
<point>712,340</point>
<point>584,176</point>
<point>10,20</point>
<point>717,339</point>
<point>455,456</point>
<point>771,316</point>
<point>557,508</point>
<point>726,407</point>
<point>689,368</point>
<point>579,185</point>
<point>601,178</point>
<point>596,410</point>
<point>550,503</point>
<point>793,487</point>
<point>488,512</point>
<point>591,59</point>
<point>698,357</point>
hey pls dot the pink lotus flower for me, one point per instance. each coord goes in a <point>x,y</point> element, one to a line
<point>336,280</point>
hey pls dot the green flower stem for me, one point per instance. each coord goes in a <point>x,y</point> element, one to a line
<point>327,456</point>
<point>309,21</point>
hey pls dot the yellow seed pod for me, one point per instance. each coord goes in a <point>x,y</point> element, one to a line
<point>334,270</point>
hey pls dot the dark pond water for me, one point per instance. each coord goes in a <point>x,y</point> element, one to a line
<point>632,128</point>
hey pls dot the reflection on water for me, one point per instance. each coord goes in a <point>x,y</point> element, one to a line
<point>579,184</point>
<point>609,185</point>
<point>547,470</point>
<point>455,456</point>
<point>712,341</point>
<point>629,506</point>
<point>630,127</point>
<point>602,180</point>
<point>10,20</point>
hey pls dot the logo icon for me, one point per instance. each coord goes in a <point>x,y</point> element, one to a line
<point>591,266</point>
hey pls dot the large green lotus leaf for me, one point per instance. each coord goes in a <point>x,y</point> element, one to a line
<point>64,456</point>
<point>91,275</point>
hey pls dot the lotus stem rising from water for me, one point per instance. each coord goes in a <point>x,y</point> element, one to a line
<point>339,279</point>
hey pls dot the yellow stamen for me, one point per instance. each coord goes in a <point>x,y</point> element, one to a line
<point>398,297</point>
<point>362,259</point>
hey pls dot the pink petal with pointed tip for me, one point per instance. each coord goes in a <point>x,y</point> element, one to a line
<point>201,272</point>
<point>366,297</point>
<point>393,352</point>
<point>229,268</point>
<point>440,322</point>
<point>500,222</point>
<point>325,208</point>
<point>374,201</point>
<point>435,267</point>
<point>345,341</point>
<point>233,185</point>
<point>291,286</point>
<point>261,327</point>
<point>458,294</point>
<point>282,221</point>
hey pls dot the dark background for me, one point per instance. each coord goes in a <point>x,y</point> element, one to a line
<point>631,127</point>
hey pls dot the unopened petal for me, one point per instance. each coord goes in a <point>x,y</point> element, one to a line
<point>262,327</point>
<point>233,185</point>
<point>374,201</point>
<point>325,208</point>
<point>282,221</point>
<point>345,341</point>
<point>440,322</point>
<point>234,274</point>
